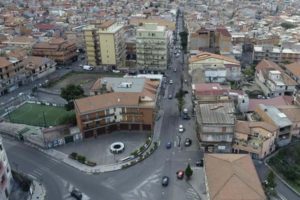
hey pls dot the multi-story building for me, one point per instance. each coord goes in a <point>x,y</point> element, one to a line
<point>112,44</point>
<point>276,54</point>
<point>272,115</point>
<point>110,112</point>
<point>105,44</point>
<point>20,42</point>
<point>211,40</point>
<point>12,74</point>
<point>255,138</point>
<point>215,126</point>
<point>58,49</point>
<point>152,47</point>
<point>5,174</point>
<point>273,80</point>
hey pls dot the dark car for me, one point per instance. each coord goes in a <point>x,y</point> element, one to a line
<point>187,142</point>
<point>180,174</point>
<point>169,145</point>
<point>76,194</point>
<point>199,163</point>
<point>165,181</point>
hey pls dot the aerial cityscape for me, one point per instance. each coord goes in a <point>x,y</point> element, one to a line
<point>150,100</point>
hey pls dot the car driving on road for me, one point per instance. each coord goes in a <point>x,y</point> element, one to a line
<point>165,181</point>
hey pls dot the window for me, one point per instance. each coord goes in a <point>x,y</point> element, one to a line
<point>153,34</point>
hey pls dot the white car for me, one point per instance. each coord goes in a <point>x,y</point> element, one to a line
<point>171,81</point>
<point>177,55</point>
<point>181,129</point>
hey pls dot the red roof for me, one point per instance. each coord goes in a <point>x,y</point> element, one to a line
<point>276,101</point>
<point>45,27</point>
<point>209,89</point>
<point>224,32</point>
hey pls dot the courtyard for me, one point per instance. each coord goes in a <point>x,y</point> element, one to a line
<point>98,149</point>
<point>39,115</point>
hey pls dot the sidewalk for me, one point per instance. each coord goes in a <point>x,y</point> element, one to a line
<point>197,182</point>
<point>38,191</point>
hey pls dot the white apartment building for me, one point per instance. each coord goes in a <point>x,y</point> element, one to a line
<point>5,174</point>
<point>276,54</point>
<point>152,47</point>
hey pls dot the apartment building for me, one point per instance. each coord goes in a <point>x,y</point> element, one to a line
<point>152,47</point>
<point>211,40</point>
<point>60,50</point>
<point>293,70</point>
<point>293,114</point>
<point>273,80</point>
<point>105,44</point>
<point>256,138</point>
<point>231,176</point>
<point>274,116</point>
<point>276,54</point>
<point>215,126</point>
<point>24,42</point>
<point>213,68</point>
<point>12,74</point>
<point>110,112</point>
<point>5,174</point>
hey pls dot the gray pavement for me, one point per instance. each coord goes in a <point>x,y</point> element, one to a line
<point>97,149</point>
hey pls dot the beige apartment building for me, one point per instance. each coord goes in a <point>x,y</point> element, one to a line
<point>256,138</point>
<point>152,47</point>
<point>105,44</point>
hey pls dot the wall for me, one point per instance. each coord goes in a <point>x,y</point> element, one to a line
<point>107,48</point>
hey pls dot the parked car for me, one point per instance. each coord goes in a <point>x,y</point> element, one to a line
<point>181,129</point>
<point>175,70</point>
<point>169,145</point>
<point>180,174</point>
<point>165,181</point>
<point>76,194</point>
<point>187,142</point>
<point>199,163</point>
<point>170,96</point>
<point>171,81</point>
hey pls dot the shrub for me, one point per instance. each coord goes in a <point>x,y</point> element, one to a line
<point>81,159</point>
<point>90,163</point>
<point>135,153</point>
<point>142,148</point>
<point>73,155</point>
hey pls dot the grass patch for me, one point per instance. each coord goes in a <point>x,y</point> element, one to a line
<point>33,114</point>
<point>287,163</point>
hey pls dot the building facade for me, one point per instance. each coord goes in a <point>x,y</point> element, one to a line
<point>5,174</point>
<point>92,45</point>
<point>215,126</point>
<point>256,138</point>
<point>57,49</point>
<point>152,47</point>
<point>110,112</point>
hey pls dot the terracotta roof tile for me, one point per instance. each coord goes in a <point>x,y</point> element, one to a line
<point>294,68</point>
<point>207,55</point>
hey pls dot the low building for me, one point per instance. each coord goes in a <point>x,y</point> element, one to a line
<point>293,113</point>
<point>12,75</point>
<point>210,92</point>
<point>110,112</point>
<point>5,174</point>
<point>277,118</point>
<point>215,126</point>
<point>23,42</point>
<point>273,80</point>
<point>37,67</point>
<point>293,70</point>
<point>231,176</point>
<point>255,138</point>
<point>209,67</point>
<point>60,50</point>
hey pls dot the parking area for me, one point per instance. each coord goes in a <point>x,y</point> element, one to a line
<point>98,149</point>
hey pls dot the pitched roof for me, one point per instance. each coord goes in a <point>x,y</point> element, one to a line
<point>232,176</point>
<point>104,101</point>
<point>206,55</point>
<point>294,68</point>
<point>276,101</point>
<point>291,111</point>
<point>265,65</point>
<point>4,62</point>
<point>245,126</point>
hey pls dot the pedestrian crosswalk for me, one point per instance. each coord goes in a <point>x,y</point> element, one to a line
<point>191,194</point>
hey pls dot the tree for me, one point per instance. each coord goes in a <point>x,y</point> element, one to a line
<point>287,25</point>
<point>70,93</point>
<point>271,180</point>
<point>188,171</point>
<point>180,98</point>
<point>184,40</point>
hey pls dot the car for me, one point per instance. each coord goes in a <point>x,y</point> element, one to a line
<point>181,129</point>
<point>171,81</point>
<point>170,96</point>
<point>165,181</point>
<point>76,194</point>
<point>169,145</point>
<point>199,163</point>
<point>180,174</point>
<point>177,55</point>
<point>187,142</point>
<point>185,80</point>
<point>175,70</point>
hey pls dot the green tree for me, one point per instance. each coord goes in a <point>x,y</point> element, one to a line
<point>70,93</point>
<point>188,171</point>
<point>68,119</point>
<point>271,180</point>
<point>287,25</point>
<point>180,100</point>
<point>184,40</point>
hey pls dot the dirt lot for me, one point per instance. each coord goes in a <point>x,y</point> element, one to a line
<point>86,80</point>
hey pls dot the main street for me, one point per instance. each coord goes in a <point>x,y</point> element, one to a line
<point>142,181</point>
